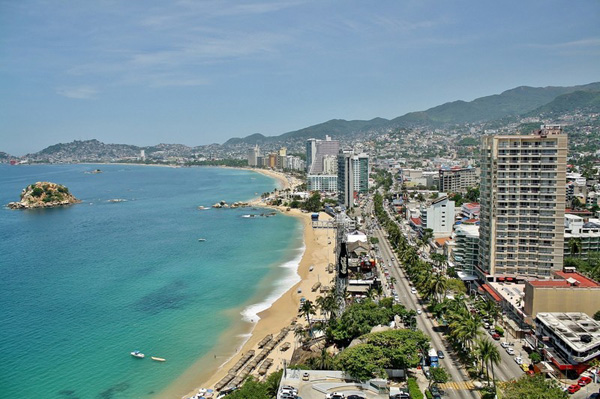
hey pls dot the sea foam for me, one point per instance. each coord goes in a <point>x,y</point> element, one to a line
<point>287,281</point>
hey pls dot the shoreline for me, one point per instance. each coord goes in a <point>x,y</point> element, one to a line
<point>243,335</point>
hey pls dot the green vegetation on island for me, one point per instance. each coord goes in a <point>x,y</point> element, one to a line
<point>44,195</point>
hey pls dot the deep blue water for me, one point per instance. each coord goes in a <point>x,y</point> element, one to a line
<point>82,286</point>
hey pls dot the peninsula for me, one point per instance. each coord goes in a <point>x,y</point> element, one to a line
<point>44,195</point>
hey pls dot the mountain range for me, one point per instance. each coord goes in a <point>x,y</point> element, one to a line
<point>521,101</point>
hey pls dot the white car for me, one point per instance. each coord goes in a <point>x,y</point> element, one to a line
<point>419,311</point>
<point>518,360</point>
<point>504,344</point>
<point>510,351</point>
<point>413,290</point>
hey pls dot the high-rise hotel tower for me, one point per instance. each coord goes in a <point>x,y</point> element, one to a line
<point>522,197</point>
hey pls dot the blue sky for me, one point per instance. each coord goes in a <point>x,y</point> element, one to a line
<point>200,72</point>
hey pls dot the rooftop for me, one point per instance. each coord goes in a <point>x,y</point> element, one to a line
<point>572,328</point>
<point>564,280</point>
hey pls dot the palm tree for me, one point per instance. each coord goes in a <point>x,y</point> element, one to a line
<point>306,310</point>
<point>575,246</point>
<point>489,355</point>
<point>438,284</point>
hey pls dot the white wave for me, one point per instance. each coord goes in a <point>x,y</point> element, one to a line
<point>289,279</point>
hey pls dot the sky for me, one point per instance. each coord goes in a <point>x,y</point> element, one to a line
<point>200,72</point>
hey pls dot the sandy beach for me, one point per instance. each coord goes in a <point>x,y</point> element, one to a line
<point>207,371</point>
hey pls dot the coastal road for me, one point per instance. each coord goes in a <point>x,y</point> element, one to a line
<point>411,301</point>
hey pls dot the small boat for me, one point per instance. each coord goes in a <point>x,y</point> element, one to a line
<point>203,208</point>
<point>158,359</point>
<point>310,269</point>
<point>137,354</point>
<point>201,239</point>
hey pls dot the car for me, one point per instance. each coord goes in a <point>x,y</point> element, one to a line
<point>419,311</point>
<point>413,290</point>
<point>594,396</point>
<point>496,336</point>
<point>583,381</point>
<point>504,344</point>
<point>355,397</point>
<point>519,360</point>
<point>427,373</point>
<point>305,376</point>
<point>510,351</point>
<point>335,395</point>
<point>525,367</point>
<point>573,388</point>
<point>440,354</point>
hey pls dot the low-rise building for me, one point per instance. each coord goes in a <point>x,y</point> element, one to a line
<point>570,340</point>
<point>569,291</point>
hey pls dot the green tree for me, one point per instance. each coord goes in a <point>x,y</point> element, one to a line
<point>307,309</point>
<point>313,203</point>
<point>251,389</point>
<point>439,375</point>
<point>535,357</point>
<point>536,387</point>
<point>490,356</point>
<point>597,316</point>
<point>400,347</point>
<point>362,362</point>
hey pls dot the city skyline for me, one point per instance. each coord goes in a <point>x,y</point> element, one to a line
<point>202,72</point>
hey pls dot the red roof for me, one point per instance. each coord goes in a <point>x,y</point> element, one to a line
<point>471,205</point>
<point>490,291</point>
<point>416,220</point>
<point>583,280</point>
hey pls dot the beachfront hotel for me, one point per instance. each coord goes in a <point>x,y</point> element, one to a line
<point>353,176</point>
<point>522,204</point>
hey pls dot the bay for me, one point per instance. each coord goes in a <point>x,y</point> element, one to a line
<point>84,285</point>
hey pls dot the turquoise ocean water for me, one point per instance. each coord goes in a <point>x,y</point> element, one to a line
<point>82,286</point>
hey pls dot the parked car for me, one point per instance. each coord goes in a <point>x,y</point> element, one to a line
<point>335,395</point>
<point>583,381</point>
<point>510,351</point>
<point>419,311</point>
<point>496,336</point>
<point>441,354</point>
<point>504,344</point>
<point>519,360</point>
<point>573,388</point>
<point>525,367</point>
<point>305,377</point>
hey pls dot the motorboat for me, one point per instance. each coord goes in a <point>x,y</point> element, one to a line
<point>137,354</point>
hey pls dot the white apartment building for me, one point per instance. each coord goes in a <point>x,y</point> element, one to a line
<point>328,183</point>
<point>522,204</point>
<point>465,253</point>
<point>439,217</point>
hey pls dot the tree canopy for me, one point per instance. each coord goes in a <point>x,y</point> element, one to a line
<point>396,349</point>
<point>535,387</point>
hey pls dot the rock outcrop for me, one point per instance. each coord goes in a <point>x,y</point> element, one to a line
<point>44,195</point>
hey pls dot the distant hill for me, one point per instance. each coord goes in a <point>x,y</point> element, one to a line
<point>514,102</point>
<point>586,101</point>
<point>79,149</point>
<point>253,139</point>
<point>5,158</point>
<point>510,103</point>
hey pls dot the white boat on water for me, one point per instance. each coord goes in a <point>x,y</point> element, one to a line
<point>158,359</point>
<point>201,239</point>
<point>137,354</point>
<point>203,208</point>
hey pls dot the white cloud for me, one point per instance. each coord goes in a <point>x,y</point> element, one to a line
<point>78,92</point>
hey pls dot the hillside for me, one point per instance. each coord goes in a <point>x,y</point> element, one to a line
<point>510,103</point>
<point>583,101</point>
<point>5,158</point>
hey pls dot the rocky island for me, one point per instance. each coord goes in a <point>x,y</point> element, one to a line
<point>44,195</point>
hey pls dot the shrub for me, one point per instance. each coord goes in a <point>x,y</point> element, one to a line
<point>413,389</point>
<point>499,330</point>
<point>37,192</point>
